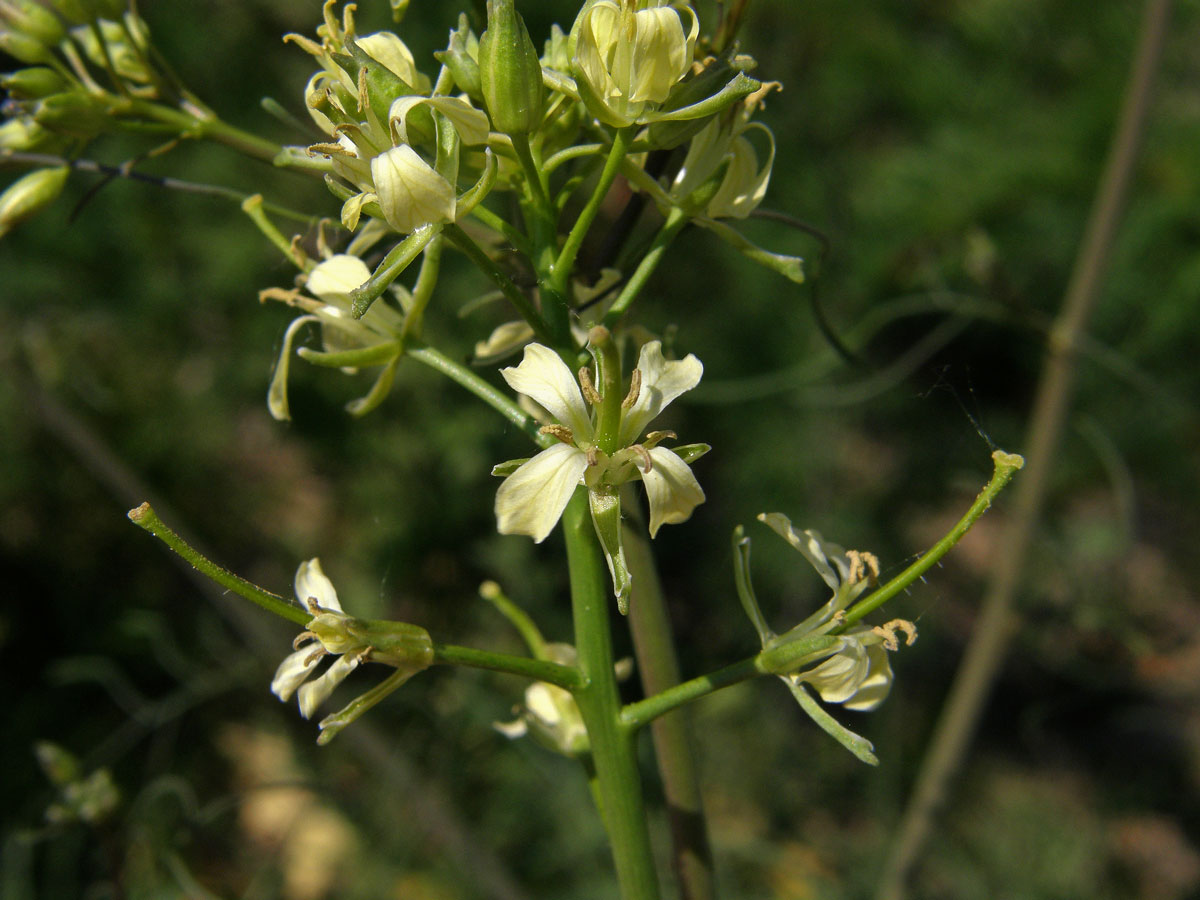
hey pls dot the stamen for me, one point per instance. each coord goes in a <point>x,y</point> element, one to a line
<point>647,461</point>
<point>635,388</point>
<point>562,432</point>
<point>315,655</point>
<point>313,606</point>
<point>590,394</point>
<point>652,439</point>
<point>888,633</point>
<point>303,638</point>
<point>593,456</point>
<point>863,565</point>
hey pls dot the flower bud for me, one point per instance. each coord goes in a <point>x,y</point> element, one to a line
<point>33,83</point>
<point>30,194</point>
<point>33,20</point>
<point>74,114</point>
<point>22,135</point>
<point>461,57</point>
<point>510,72</point>
<point>22,47</point>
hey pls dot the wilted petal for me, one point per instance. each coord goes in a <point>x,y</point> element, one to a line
<point>839,677</point>
<point>671,488</point>
<point>745,184</point>
<point>294,671</point>
<point>410,192</point>
<point>312,584</point>
<point>313,693</point>
<point>662,381</point>
<point>532,499</point>
<point>545,378</point>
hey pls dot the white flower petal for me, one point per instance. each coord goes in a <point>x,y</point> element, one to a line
<point>544,377</point>
<point>387,48</point>
<point>312,583</point>
<point>333,279</point>
<point>471,124</point>
<point>294,671</point>
<point>277,399</point>
<point>671,488</point>
<point>662,381</point>
<point>410,192</point>
<point>839,677</point>
<point>878,683</point>
<point>809,543</point>
<point>532,499</point>
<point>314,693</point>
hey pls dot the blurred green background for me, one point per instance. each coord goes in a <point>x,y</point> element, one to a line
<point>950,151</point>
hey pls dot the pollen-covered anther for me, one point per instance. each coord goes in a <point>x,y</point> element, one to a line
<point>592,455</point>
<point>647,461</point>
<point>562,432</point>
<point>888,631</point>
<point>653,438</point>
<point>863,565</point>
<point>329,150</point>
<point>314,607</point>
<point>588,387</point>
<point>635,388</point>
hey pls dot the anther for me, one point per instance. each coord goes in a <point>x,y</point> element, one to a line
<point>635,388</point>
<point>315,655</point>
<point>652,438</point>
<point>562,432</point>
<point>647,461</point>
<point>590,394</point>
<point>303,638</point>
<point>863,565</point>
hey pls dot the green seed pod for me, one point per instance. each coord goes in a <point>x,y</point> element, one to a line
<point>32,20</point>
<point>74,114</point>
<point>22,47</point>
<point>30,194</point>
<point>510,72</point>
<point>33,83</point>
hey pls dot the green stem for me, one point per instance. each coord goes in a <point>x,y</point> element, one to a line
<point>658,667</point>
<point>1006,465</point>
<point>565,264</point>
<point>514,294</point>
<point>145,517</point>
<point>501,226</point>
<point>566,677</point>
<point>766,662</point>
<point>613,754</point>
<point>490,395</point>
<point>539,186</point>
<point>676,220</point>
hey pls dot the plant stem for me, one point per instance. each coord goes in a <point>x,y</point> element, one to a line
<point>676,219</point>
<point>618,781</point>
<point>658,666</point>
<point>538,669</point>
<point>145,517</point>
<point>564,265</point>
<point>1005,466</point>
<point>514,294</point>
<point>486,392</point>
<point>997,622</point>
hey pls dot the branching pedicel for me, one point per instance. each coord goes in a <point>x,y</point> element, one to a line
<point>503,153</point>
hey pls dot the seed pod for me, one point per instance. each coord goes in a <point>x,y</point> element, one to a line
<point>30,194</point>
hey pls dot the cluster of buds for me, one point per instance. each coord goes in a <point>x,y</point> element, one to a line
<point>844,664</point>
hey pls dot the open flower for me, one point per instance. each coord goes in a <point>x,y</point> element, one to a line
<point>316,592</point>
<point>532,499</point>
<point>376,335</point>
<point>846,665</point>
<point>331,632</point>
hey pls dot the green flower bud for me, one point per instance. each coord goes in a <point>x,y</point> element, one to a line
<point>74,114</point>
<point>510,72</point>
<point>22,134</point>
<point>22,47</point>
<point>30,194</point>
<point>33,83</point>
<point>59,765</point>
<point>33,20</point>
<point>461,57</point>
